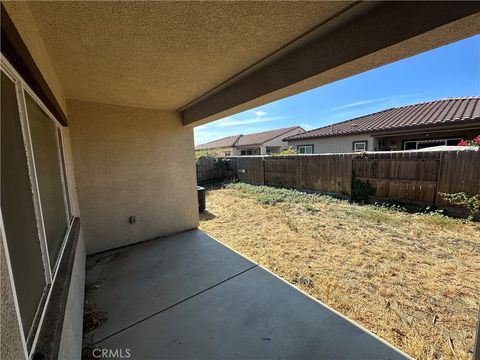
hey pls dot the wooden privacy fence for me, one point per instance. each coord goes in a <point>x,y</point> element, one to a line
<point>410,177</point>
<point>211,169</point>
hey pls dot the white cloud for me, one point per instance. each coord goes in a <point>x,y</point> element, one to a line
<point>362,102</point>
<point>249,121</point>
<point>260,113</point>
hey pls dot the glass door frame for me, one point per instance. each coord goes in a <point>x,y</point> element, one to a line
<point>51,270</point>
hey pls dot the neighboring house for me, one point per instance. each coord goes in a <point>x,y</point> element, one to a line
<point>418,126</point>
<point>261,143</point>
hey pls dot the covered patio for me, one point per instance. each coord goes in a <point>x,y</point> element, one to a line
<point>189,296</point>
<point>98,104</point>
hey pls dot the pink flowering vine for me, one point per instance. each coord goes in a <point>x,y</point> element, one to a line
<point>474,142</point>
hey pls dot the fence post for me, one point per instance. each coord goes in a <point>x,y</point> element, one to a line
<point>263,170</point>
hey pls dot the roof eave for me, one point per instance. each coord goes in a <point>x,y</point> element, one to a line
<point>453,124</point>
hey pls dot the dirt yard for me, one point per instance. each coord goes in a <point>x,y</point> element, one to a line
<point>412,279</point>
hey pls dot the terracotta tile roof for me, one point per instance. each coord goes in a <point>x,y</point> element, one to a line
<point>264,136</point>
<point>228,141</point>
<point>246,140</point>
<point>433,113</point>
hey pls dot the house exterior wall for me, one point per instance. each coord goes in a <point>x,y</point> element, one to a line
<point>226,150</point>
<point>255,150</point>
<point>236,152</point>
<point>131,162</point>
<point>11,347</point>
<point>334,144</point>
<point>278,141</point>
<point>11,340</point>
<point>72,331</point>
<point>71,340</point>
<point>395,142</point>
<point>26,27</point>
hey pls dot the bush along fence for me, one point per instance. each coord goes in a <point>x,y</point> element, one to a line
<point>418,178</point>
<point>214,169</point>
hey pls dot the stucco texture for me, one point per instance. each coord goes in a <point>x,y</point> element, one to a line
<point>27,28</point>
<point>131,162</point>
<point>71,341</point>
<point>159,54</point>
<point>334,144</point>
<point>10,338</point>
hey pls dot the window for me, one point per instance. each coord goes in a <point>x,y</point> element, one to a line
<point>359,146</point>
<point>410,145</point>
<point>426,143</point>
<point>227,153</point>
<point>18,210</point>
<point>48,163</point>
<point>305,149</point>
<point>36,211</point>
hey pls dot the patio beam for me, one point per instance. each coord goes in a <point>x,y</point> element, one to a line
<point>358,38</point>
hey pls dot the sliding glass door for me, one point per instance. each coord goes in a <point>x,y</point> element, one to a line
<point>48,162</point>
<point>18,210</point>
<point>34,200</point>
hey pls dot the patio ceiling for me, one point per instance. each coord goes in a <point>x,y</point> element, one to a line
<point>208,60</point>
<point>164,54</point>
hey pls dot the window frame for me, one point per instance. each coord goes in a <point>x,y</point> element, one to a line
<point>305,146</point>
<point>355,143</point>
<point>419,141</point>
<point>30,337</point>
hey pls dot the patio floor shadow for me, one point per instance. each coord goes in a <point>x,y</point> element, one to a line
<point>188,296</point>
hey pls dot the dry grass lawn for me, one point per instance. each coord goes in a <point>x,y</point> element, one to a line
<point>412,279</point>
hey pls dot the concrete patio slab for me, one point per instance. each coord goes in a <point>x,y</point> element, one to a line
<point>128,284</point>
<point>249,315</point>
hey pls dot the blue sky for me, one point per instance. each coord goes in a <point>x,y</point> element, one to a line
<point>449,71</point>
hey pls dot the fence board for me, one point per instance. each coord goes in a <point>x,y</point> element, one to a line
<point>411,177</point>
<point>326,173</point>
<point>280,171</point>
<point>250,170</point>
<point>459,172</point>
<point>401,176</point>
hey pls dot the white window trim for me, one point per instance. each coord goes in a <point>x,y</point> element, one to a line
<point>37,202</point>
<point>424,141</point>
<point>305,147</point>
<point>360,142</point>
<point>50,274</point>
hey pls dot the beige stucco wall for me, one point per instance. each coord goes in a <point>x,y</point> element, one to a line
<point>131,161</point>
<point>26,27</point>
<point>10,338</point>
<point>334,144</point>
<point>72,331</point>
<point>278,141</point>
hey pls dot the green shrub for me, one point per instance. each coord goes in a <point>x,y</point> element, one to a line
<point>471,202</point>
<point>213,153</point>
<point>271,195</point>
<point>286,152</point>
<point>269,199</point>
<point>361,190</point>
<point>201,154</point>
